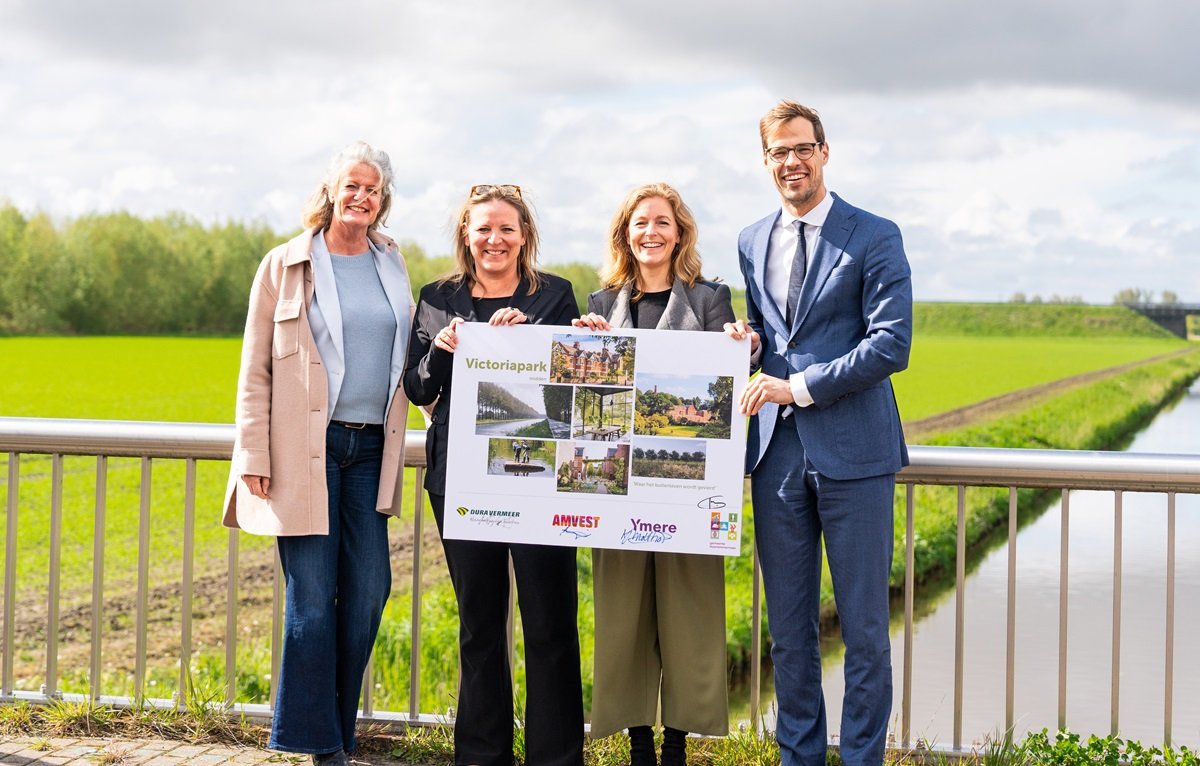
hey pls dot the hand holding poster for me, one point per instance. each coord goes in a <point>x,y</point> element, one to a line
<point>623,439</point>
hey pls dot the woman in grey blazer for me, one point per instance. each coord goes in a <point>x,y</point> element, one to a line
<point>660,617</point>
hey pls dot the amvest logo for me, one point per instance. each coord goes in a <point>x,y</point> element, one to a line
<point>582,522</point>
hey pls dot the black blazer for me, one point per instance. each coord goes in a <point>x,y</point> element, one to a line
<point>429,369</point>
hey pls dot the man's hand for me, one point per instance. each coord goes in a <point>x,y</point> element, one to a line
<point>739,330</point>
<point>763,389</point>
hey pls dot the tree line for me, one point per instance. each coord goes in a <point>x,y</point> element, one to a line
<point>119,274</point>
<point>116,273</point>
<point>1123,296</point>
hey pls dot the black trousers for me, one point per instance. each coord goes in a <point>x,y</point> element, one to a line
<point>547,598</point>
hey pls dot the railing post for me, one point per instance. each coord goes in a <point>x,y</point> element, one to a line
<point>10,571</point>
<point>909,599</point>
<point>56,471</point>
<point>189,548</point>
<point>277,599</point>
<point>1118,501</point>
<point>1064,545</point>
<point>1011,635</point>
<point>414,657</point>
<point>960,608</point>
<point>231,594</point>
<point>755,637</point>
<point>1169,652</point>
<point>143,581</point>
<point>98,526</point>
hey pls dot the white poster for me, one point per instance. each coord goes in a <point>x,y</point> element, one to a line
<point>626,439</point>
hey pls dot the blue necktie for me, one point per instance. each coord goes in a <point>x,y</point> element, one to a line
<point>799,266</point>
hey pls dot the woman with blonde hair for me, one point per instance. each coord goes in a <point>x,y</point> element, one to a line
<point>320,428</point>
<point>660,617</point>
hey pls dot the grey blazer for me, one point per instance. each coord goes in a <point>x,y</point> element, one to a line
<point>704,306</point>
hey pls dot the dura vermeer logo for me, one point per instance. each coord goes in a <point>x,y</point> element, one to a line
<point>462,510</point>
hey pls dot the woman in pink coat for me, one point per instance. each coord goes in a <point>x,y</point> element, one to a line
<point>320,441</point>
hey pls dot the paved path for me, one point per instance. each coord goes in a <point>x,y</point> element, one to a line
<point>151,752</point>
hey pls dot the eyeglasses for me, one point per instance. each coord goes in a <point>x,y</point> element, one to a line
<point>507,190</point>
<point>779,154</point>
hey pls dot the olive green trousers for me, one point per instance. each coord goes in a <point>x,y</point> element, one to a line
<point>660,633</point>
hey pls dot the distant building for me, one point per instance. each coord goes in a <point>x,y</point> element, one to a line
<point>575,363</point>
<point>608,465</point>
<point>689,413</point>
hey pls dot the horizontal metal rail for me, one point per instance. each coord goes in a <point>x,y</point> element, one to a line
<point>960,467</point>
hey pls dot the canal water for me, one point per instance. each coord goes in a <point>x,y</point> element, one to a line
<point>1090,614</point>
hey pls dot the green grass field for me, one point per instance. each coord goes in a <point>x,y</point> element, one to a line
<point>194,379</point>
<point>946,371</point>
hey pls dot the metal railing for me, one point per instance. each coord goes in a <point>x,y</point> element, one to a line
<point>960,467</point>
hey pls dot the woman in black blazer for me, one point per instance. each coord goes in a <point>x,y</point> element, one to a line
<point>497,281</point>
<point>660,617</point>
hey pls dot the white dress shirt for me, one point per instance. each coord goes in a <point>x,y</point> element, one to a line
<point>780,254</point>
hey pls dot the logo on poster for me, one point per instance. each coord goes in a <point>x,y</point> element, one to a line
<point>723,526</point>
<point>647,532</point>
<point>489,517</point>
<point>575,526</point>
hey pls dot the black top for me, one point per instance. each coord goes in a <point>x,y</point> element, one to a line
<point>485,307</point>
<point>427,375</point>
<point>649,308</point>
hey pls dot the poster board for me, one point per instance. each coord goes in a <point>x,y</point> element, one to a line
<point>628,439</point>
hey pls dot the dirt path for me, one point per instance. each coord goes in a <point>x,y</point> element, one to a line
<point>163,605</point>
<point>998,406</point>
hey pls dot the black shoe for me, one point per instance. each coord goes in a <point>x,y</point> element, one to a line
<point>641,746</point>
<point>336,758</point>
<point>674,747</point>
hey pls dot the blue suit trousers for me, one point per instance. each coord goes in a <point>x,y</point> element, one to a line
<point>794,507</point>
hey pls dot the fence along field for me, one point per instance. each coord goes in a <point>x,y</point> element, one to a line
<point>193,380</point>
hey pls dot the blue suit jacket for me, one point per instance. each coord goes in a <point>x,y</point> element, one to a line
<point>851,331</point>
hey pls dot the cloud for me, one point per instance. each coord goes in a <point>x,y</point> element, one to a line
<point>1016,144</point>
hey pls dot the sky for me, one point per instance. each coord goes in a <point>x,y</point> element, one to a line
<point>1044,147</point>
<point>683,386</point>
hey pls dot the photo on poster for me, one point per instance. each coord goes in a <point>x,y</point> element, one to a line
<point>520,457</point>
<point>670,458</point>
<point>698,406</point>
<point>593,468</point>
<point>532,410</point>
<point>599,359</point>
<point>602,413</point>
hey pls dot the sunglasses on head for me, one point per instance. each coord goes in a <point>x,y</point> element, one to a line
<point>507,190</point>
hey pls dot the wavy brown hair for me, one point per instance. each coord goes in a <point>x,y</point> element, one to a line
<point>621,268</point>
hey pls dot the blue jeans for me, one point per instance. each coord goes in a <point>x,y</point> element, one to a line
<point>795,507</point>
<point>337,585</point>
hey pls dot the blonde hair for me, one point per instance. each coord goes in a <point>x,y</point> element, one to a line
<point>621,268</point>
<point>318,211</point>
<point>526,257</point>
<point>787,110</point>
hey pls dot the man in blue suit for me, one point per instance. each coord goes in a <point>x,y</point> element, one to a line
<point>829,307</point>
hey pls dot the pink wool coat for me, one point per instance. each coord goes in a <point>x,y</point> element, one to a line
<point>283,402</point>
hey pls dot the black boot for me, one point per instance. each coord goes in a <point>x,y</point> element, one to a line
<point>674,747</point>
<point>641,746</point>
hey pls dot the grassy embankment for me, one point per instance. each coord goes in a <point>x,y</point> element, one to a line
<point>955,361</point>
